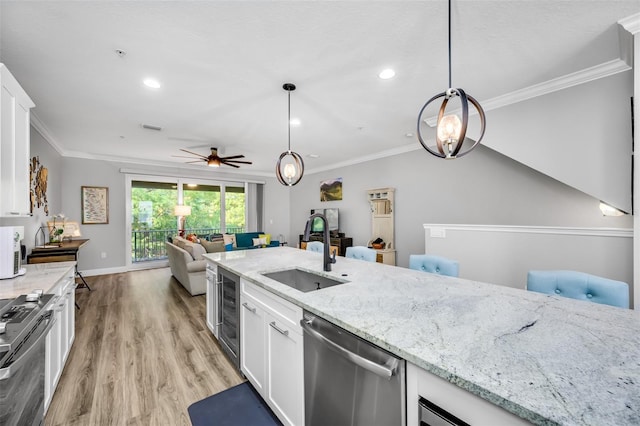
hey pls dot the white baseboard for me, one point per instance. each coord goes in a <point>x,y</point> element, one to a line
<point>128,268</point>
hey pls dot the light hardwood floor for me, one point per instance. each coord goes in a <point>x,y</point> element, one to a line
<point>142,354</point>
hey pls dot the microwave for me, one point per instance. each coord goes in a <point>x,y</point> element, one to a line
<point>10,253</point>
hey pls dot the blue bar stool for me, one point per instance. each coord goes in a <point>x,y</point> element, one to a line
<point>434,264</point>
<point>578,285</point>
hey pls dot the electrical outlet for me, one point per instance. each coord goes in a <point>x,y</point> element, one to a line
<point>103,255</point>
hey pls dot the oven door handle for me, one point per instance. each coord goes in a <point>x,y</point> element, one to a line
<point>6,372</point>
<point>380,370</point>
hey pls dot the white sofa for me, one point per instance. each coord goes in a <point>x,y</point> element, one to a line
<point>189,272</point>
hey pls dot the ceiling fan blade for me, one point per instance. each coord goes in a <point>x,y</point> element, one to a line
<point>236,161</point>
<point>184,156</point>
<point>232,157</point>
<point>197,161</point>
<point>199,155</point>
<point>232,165</point>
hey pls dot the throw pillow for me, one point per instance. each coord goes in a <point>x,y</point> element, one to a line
<point>228,247</point>
<point>197,250</point>
<point>257,242</point>
<point>183,245</point>
<point>213,246</point>
<point>266,237</point>
<point>229,239</point>
<point>193,238</point>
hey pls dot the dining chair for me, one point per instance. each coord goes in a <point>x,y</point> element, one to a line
<point>315,246</point>
<point>434,264</point>
<point>362,253</point>
<point>579,285</point>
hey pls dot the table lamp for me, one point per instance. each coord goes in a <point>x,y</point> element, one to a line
<point>182,212</point>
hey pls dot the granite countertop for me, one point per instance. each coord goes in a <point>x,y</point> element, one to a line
<point>547,359</point>
<point>38,276</point>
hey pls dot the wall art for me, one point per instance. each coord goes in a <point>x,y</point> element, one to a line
<point>38,175</point>
<point>331,190</point>
<point>95,205</point>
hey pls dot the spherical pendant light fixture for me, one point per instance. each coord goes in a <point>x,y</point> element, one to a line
<point>451,130</point>
<point>290,166</point>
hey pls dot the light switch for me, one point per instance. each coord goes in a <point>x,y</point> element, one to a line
<point>437,233</point>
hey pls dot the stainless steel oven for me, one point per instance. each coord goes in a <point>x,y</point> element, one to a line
<point>229,314</point>
<point>24,325</point>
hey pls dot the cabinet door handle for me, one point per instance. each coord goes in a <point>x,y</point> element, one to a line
<point>278,329</point>
<point>249,307</point>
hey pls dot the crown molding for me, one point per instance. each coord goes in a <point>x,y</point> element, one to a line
<point>586,75</point>
<point>375,156</point>
<point>631,23</point>
<point>46,133</point>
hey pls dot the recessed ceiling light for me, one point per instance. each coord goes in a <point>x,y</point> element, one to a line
<point>295,122</point>
<point>387,74</point>
<point>152,83</point>
<point>409,135</point>
<point>313,155</point>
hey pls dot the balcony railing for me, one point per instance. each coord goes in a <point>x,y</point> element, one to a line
<point>148,245</point>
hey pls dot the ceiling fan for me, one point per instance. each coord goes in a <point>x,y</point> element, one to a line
<point>214,160</point>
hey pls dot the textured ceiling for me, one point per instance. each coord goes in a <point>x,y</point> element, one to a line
<point>222,65</point>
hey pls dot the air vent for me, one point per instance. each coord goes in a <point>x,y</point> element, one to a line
<point>150,127</point>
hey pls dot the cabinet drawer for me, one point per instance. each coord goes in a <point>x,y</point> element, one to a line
<point>286,312</point>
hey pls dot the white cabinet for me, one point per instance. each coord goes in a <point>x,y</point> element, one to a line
<point>213,293</point>
<point>61,335</point>
<point>272,353</point>
<point>15,116</point>
<point>454,400</point>
<point>253,359</point>
<point>285,370</point>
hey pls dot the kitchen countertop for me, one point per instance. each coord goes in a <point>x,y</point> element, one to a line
<point>547,359</point>
<point>38,276</point>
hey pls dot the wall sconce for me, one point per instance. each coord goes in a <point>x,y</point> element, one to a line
<point>609,210</point>
<point>182,212</point>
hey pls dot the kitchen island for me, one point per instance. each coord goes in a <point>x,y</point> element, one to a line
<point>546,359</point>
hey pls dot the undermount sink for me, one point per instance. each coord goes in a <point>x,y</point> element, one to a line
<point>303,280</point>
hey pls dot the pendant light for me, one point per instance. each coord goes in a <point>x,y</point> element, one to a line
<point>290,167</point>
<point>452,129</point>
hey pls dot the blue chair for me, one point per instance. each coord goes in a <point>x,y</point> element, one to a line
<point>361,253</point>
<point>434,264</point>
<point>578,285</point>
<point>315,246</point>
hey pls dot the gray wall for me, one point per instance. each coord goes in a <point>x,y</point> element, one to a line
<point>483,187</point>
<point>111,238</point>
<point>50,159</point>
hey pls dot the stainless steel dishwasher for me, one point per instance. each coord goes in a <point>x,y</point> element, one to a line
<point>348,381</point>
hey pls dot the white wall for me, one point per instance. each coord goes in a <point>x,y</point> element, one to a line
<point>483,187</point>
<point>580,136</point>
<point>504,254</point>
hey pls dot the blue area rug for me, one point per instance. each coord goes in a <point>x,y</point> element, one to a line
<point>238,406</point>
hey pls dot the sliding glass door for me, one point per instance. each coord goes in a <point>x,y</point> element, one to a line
<point>215,208</point>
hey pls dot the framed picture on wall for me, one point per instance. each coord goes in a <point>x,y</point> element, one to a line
<point>331,190</point>
<point>95,205</point>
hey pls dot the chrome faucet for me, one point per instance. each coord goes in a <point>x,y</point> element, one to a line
<point>327,259</point>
